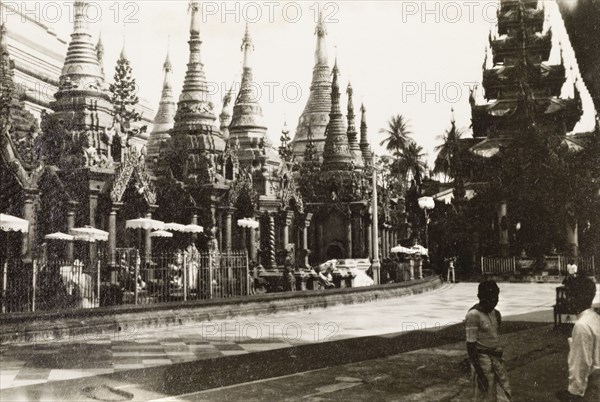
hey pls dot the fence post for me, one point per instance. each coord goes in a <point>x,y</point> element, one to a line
<point>246,273</point>
<point>97,301</point>
<point>33,284</point>
<point>210,274</point>
<point>136,274</point>
<point>185,277</point>
<point>4,285</point>
<point>481,265</point>
<point>514,263</point>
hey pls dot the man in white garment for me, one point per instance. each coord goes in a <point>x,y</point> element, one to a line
<point>584,345</point>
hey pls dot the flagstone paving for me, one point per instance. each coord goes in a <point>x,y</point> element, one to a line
<point>27,364</point>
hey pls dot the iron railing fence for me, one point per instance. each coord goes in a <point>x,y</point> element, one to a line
<point>512,265</point>
<point>42,285</point>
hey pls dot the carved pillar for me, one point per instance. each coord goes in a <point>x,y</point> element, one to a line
<point>503,230</point>
<point>252,244</point>
<point>71,225</point>
<point>349,236</point>
<point>272,262</point>
<point>194,222</point>
<point>376,266</point>
<point>305,224</point>
<point>93,205</point>
<point>285,219</point>
<point>29,215</point>
<point>358,243</point>
<point>220,224</point>
<point>369,235</point>
<point>227,213</point>
<point>112,232</point>
<point>384,245</point>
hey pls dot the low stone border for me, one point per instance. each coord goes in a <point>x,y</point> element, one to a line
<point>124,321</point>
<point>533,278</point>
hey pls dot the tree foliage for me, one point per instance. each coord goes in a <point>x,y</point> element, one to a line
<point>397,135</point>
<point>448,160</point>
<point>124,92</point>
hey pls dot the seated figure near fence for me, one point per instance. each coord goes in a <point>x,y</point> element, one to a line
<point>192,264</point>
<point>79,285</point>
<point>325,277</point>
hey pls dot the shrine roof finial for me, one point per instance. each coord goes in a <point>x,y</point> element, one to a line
<point>194,10</point>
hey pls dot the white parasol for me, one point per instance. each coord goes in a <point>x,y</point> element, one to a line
<point>402,249</point>
<point>59,236</point>
<point>193,229</point>
<point>418,249</point>
<point>9,223</point>
<point>144,223</point>
<point>175,227</point>
<point>161,233</point>
<point>247,223</point>
<point>89,234</point>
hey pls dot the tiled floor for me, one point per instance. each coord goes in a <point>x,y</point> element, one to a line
<point>22,365</point>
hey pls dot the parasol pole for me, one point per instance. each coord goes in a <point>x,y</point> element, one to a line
<point>5,277</point>
<point>4,283</point>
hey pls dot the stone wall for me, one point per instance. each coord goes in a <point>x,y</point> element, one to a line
<point>125,321</point>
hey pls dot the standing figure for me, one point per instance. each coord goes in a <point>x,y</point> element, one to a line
<point>451,273</point>
<point>289,279</point>
<point>571,272</point>
<point>584,345</point>
<point>483,346</point>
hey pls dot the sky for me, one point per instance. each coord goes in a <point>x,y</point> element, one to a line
<point>415,58</point>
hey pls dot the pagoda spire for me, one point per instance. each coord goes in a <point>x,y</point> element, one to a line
<point>247,118</point>
<point>194,87</point>
<point>225,116</point>
<point>100,52</point>
<point>365,147</point>
<point>352,133</point>
<point>316,112</point>
<point>321,49</point>
<point>336,153</point>
<point>195,108</point>
<point>247,48</point>
<point>81,68</point>
<point>165,116</point>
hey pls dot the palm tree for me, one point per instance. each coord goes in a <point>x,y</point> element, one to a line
<point>447,160</point>
<point>412,161</point>
<point>397,132</point>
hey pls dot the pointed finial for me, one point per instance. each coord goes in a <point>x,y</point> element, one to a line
<point>321,29</point>
<point>452,111</point>
<point>194,9</point>
<point>167,66</point>
<point>285,129</point>
<point>228,96</point>
<point>247,47</point>
<point>335,73</point>
<point>123,52</point>
<point>100,43</point>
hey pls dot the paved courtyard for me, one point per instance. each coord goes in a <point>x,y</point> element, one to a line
<point>29,364</point>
